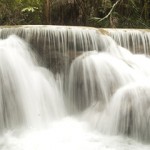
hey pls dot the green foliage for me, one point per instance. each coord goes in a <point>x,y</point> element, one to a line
<point>98,13</point>
<point>15,12</point>
<point>127,14</point>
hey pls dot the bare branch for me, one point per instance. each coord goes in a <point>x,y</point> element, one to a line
<point>114,5</point>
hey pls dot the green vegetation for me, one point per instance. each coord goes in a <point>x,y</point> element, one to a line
<point>98,13</point>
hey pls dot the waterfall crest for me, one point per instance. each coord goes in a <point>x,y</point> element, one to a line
<point>59,45</point>
<point>136,40</point>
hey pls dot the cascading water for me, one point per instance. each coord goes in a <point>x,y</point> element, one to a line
<point>94,94</point>
<point>28,92</point>
<point>58,45</point>
<point>137,41</point>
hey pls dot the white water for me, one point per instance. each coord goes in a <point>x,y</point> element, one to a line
<point>29,95</point>
<point>67,134</point>
<point>136,40</point>
<point>108,97</point>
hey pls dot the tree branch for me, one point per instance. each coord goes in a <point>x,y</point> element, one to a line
<point>101,19</point>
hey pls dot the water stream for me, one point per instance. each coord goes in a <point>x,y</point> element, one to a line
<point>74,88</point>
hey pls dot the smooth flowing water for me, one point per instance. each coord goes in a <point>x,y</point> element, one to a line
<point>73,88</point>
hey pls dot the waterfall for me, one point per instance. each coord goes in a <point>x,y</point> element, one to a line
<point>129,112</point>
<point>28,92</point>
<point>58,45</point>
<point>74,88</point>
<point>136,40</point>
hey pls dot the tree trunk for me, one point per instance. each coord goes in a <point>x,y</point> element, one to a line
<point>46,9</point>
